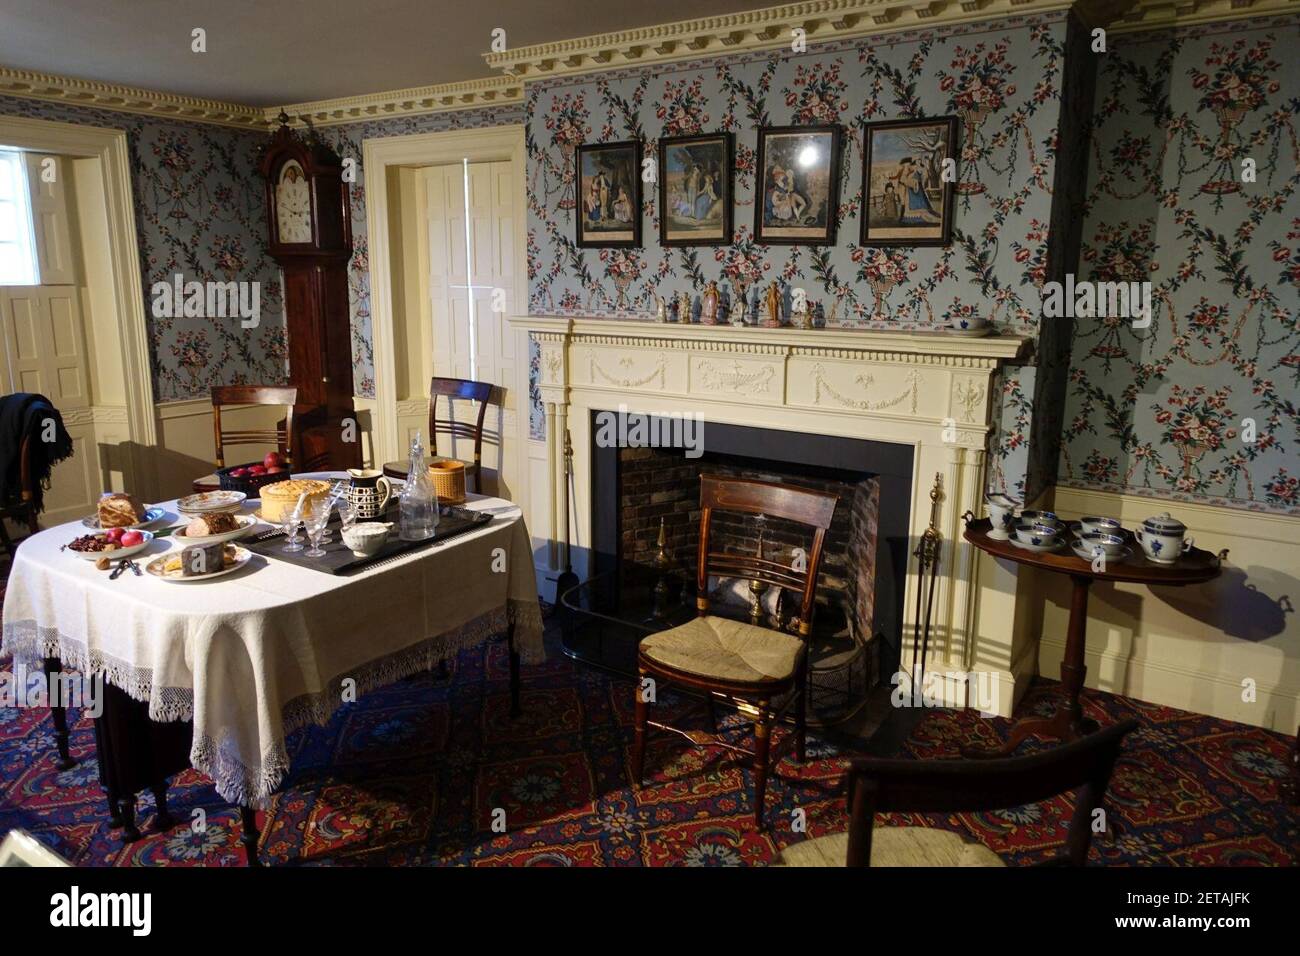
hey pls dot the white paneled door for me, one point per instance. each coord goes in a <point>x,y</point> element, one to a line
<point>471,277</point>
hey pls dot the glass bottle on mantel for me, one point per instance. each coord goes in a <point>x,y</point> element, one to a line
<point>418,501</point>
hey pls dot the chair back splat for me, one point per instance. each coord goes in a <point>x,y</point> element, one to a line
<point>451,389</point>
<point>811,508</point>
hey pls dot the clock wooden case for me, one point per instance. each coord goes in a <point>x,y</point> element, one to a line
<point>310,229</point>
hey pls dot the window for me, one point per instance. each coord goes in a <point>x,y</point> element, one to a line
<point>17,248</point>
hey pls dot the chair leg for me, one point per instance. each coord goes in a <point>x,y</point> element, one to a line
<point>762,744</point>
<point>638,738</point>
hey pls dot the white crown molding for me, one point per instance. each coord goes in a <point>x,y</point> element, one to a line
<point>764,29</point>
<point>127,99</point>
<point>488,91</point>
<point>1162,14</point>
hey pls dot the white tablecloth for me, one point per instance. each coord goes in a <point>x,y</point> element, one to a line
<point>264,650</point>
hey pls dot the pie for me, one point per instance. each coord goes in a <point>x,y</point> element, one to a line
<point>279,499</point>
<point>120,510</point>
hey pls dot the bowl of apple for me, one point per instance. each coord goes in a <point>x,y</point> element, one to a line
<point>249,478</point>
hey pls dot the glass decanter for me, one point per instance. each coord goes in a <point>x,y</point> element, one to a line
<point>418,501</point>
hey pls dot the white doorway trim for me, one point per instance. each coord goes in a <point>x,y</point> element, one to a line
<point>109,146</point>
<point>492,144</point>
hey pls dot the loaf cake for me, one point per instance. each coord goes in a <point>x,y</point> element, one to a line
<point>279,499</point>
<point>210,524</point>
<point>120,510</point>
<point>199,559</point>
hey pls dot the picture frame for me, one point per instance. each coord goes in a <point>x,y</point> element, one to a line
<point>609,195</point>
<point>902,182</point>
<point>696,189</point>
<point>798,185</point>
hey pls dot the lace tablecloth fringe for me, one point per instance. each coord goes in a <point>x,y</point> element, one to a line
<point>235,780</point>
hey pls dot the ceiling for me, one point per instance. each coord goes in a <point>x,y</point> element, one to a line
<point>263,53</point>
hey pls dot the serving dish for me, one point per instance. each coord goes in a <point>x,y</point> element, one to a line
<point>157,567</point>
<point>117,553</point>
<point>246,523</point>
<point>152,515</point>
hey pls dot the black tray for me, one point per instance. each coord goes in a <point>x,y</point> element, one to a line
<point>338,557</point>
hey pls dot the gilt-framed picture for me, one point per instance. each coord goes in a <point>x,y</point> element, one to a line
<point>799,177</point>
<point>609,195</point>
<point>695,190</point>
<point>905,200</point>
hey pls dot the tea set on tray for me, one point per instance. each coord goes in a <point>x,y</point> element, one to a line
<point>1163,539</point>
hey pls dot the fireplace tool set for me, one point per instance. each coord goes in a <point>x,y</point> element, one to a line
<point>927,556</point>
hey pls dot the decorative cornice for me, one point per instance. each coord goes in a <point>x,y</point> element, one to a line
<point>1162,14</point>
<point>488,91</point>
<point>127,99</point>
<point>766,29</point>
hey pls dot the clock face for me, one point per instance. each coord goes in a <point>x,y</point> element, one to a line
<point>293,205</point>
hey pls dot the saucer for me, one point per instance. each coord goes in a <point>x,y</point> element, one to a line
<point>970,333</point>
<point>1036,548</point>
<point>1081,551</point>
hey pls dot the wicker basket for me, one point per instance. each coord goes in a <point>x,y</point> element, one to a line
<point>448,476</point>
<point>250,485</point>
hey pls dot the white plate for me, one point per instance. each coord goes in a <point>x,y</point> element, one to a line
<point>120,552</point>
<point>152,515</point>
<point>1036,548</point>
<point>206,502</point>
<point>1081,550</point>
<point>155,567</point>
<point>246,523</point>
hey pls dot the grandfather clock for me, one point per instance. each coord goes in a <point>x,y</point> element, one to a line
<point>311,238</point>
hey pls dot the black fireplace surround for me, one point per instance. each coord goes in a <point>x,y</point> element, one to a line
<point>889,464</point>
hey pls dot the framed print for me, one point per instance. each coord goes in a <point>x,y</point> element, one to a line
<point>609,195</point>
<point>695,183</point>
<point>905,201</point>
<point>799,170</point>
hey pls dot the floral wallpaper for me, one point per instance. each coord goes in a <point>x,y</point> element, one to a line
<point>200,211</point>
<point>1202,405</point>
<point>1001,79</point>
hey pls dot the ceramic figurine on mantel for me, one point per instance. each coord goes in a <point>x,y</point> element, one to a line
<point>709,305</point>
<point>661,309</point>
<point>803,313</point>
<point>772,306</point>
<point>684,312</point>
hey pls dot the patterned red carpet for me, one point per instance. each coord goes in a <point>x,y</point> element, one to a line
<point>419,772</point>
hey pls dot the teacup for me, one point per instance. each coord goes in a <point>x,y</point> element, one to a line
<point>1094,525</point>
<point>967,322</point>
<point>1111,545</point>
<point>1040,517</point>
<point>1163,538</point>
<point>1002,514</point>
<point>366,537</point>
<point>1038,535</point>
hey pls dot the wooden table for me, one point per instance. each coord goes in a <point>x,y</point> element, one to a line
<point>1068,723</point>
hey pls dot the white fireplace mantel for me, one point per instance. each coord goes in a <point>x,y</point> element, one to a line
<point>928,390</point>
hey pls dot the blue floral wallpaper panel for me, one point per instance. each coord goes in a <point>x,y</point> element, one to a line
<point>1202,405</point>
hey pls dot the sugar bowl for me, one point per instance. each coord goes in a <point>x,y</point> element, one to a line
<point>1163,538</point>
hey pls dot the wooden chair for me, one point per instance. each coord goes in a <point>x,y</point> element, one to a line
<point>749,665</point>
<point>452,389</point>
<point>281,435</point>
<point>24,509</point>
<point>958,786</point>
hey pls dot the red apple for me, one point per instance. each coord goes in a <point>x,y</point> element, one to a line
<point>256,469</point>
<point>276,470</point>
<point>131,538</point>
<point>238,472</point>
<point>113,534</point>
<point>273,460</point>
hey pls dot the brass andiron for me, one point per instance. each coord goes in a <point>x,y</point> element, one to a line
<point>927,555</point>
<point>663,563</point>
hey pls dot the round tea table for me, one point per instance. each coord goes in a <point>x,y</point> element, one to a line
<point>1068,722</point>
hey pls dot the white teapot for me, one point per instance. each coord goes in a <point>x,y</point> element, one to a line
<point>1163,538</point>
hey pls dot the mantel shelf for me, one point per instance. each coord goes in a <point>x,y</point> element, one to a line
<point>994,347</point>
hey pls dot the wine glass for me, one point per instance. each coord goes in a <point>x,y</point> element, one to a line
<point>290,522</point>
<point>347,513</point>
<point>314,520</point>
